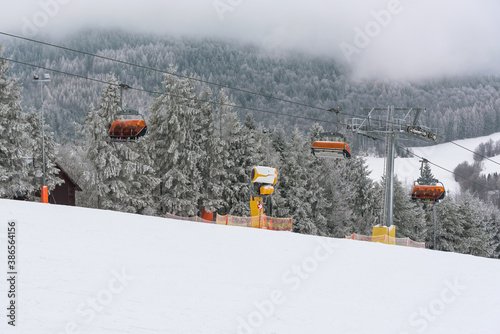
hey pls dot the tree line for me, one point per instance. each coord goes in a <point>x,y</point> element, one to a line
<point>457,107</point>
<point>198,154</point>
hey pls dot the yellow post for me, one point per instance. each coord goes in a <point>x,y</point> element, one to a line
<point>384,234</point>
<point>378,232</point>
<point>256,210</point>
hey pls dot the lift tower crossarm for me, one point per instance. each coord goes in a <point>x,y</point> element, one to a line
<point>417,115</point>
<point>391,128</point>
<point>367,119</point>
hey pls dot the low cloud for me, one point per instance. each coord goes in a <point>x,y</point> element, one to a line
<point>396,39</point>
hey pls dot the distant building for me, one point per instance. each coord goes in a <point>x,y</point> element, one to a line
<point>65,193</point>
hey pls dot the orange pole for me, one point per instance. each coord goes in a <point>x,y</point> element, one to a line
<point>45,194</point>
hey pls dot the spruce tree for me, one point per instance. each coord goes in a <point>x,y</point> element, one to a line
<point>212,151</point>
<point>339,194</point>
<point>122,175</point>
<point>449,228</point>
<point>294,187</point>
<point>15,139</point>
<point>174,142</point>
<point>493,231</point>
<point>98,154</point>
<point>426,173</point>
<point>107,166</point>
<point>320,205</point>
<point>279,141</point>
<point>473,239</point>
<point>131,189</point>
<point>315,131</point>
<point>242,148</point>
<point>365,203</point>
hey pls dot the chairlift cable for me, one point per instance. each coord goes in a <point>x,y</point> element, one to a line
<point>183,76</point>
<point>162,71</point>
<point>228,104</point>
<point>449,171</point>
<point>478,154</point>
<point>202,81</point>
<point>166,93</point>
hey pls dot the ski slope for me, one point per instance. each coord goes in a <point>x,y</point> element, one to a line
<point>92,271</point>
<point>445,155</point>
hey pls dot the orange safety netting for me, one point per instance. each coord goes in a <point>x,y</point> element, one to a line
<point>192,219</point>
<point>269,223</point>
<point>387,240</point>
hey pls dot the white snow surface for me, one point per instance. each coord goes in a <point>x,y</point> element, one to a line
<point>93,271</point>
<point>447,156</point>
<point>491,166</point>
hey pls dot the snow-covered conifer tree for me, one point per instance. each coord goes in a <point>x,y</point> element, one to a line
<point>365,203</point>
<point>241,146</point>
<point>98,154</point>
<point>339,194</point>
<point>212,151</point>
<point>122,175</point>
<point>320,205</point>
<point>106,165</point>
<point>473,239</point>
<point>174,143</point>
<point>279,141</point>
<point>295,189</point>
<point>449,228</point>
<point>426,172</point>
<point>15,139</point>
<point>315,131</point>
<point>493,229</point>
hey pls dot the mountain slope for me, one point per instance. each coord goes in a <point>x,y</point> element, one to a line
<point>93,271</point>
<point>459,106</point>
<point>447,155</point>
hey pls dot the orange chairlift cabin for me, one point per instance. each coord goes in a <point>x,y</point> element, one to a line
<point>331,145</point>
<point>127,129</point>
<point>426,187</point>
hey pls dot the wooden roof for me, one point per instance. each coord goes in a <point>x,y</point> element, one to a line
<point>70,179</point>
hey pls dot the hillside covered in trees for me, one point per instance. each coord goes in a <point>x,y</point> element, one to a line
<point>458,107</point>
<point>200,146</point>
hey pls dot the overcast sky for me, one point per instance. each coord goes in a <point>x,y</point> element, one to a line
<point>396,39</point>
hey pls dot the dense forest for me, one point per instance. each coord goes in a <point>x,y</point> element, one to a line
<point>200,146</point>
<point>457,107</point>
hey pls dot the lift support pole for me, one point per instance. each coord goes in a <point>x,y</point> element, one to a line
<point>374,127</point>
<point>389,182</point>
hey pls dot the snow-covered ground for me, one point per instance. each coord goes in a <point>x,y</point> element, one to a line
<point>490,167</point>
<point>446,155</point>
<point>91,271</point>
